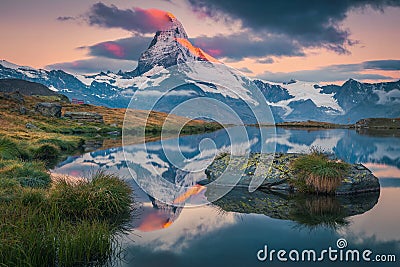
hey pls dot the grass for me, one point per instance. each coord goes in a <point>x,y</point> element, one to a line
<point>27,173</point>
<point>9,149</point>
<point>61,224</point>
<point>317,173</point>
<point>47,153</point>
<point>104,196</point>
<point>47,227</point>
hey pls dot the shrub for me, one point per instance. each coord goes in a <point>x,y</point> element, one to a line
<point>317,173</point>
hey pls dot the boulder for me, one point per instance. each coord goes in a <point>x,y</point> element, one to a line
<point>30,126</point>
<point>22,110</point>
<point>84,116</point>
<point>49,109</point>
<point>274,172</point>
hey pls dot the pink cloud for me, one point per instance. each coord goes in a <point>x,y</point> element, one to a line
<point>115,49</point>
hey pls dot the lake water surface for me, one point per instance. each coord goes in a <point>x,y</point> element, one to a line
<point>232,231</point>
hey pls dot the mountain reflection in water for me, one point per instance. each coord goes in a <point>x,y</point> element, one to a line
<point>239,224</point>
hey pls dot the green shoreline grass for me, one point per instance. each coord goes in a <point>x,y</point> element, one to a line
<point>46,223</point>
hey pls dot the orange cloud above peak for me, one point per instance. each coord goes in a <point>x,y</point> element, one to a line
<point>158,19</point>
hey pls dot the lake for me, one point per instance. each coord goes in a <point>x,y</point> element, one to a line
<point>233,230</point>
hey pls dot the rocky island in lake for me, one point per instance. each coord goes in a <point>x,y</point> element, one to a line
<point>288,193</point>
<point>278,172</point>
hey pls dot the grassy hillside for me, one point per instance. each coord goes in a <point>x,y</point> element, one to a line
<point>19,121</point>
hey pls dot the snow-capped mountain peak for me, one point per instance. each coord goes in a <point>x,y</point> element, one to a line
<point>170,47</point>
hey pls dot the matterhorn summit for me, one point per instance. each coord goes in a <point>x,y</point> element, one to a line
<point>170,47</point>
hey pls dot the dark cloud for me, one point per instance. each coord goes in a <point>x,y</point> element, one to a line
<point>267,60</point>
<point>94,65</point>
<point>127,48</point>
<point>242,45</point>
<point>245,70</point>
<point>334,73</point>
<point>135,20</point>
<point>65,18</point>
<point>312,23</point>
<point>382,64</point>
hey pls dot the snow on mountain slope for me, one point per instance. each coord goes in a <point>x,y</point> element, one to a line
<point>25,70</point>
<point>170,47</point>
<point>10,65</point>
<point>221,77</point>
<point>304,91</point>
<point>121,82</point>
<point>85,79</point>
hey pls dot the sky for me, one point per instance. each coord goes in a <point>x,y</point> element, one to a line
<point>317,41</point>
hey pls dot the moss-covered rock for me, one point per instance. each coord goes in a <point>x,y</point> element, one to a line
<point>275,172</point>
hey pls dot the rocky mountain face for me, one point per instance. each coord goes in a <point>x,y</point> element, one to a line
<point>172,62</point>
<point>170,47</point>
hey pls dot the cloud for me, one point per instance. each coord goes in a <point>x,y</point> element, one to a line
<point>94,65</point>
<point>335,73</point>
<point>136,20</point>
<point>310,23</point>
<point>267,60</point>
<point>241,45</point>
<point>245,70</point>
<point>65,18</point>
<point>382,64</point>
<point>127,48</point>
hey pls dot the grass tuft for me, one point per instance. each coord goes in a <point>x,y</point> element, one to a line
<point>104,196</point>
<point>39,227</point>
<point>47,153</point>
<point>28,174</point>
<point>317,173</point>
<point>8,149</point>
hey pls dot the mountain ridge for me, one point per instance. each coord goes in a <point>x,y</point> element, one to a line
<point>114,90</point>
<point>170,55</point>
